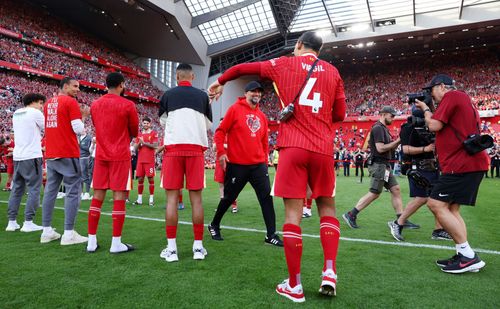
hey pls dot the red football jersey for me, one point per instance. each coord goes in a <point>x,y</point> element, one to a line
<point>61,141</point>
<point>10,149</point>
<point>146,154</point>
<point>116,122</point>
<point>311,127</point>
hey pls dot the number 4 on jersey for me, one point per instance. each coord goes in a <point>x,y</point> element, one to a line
<point>316,102</point>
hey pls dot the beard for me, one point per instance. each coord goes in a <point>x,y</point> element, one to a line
<point>255,100</point>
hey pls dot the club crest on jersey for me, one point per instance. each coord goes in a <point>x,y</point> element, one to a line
<point>253,123</point>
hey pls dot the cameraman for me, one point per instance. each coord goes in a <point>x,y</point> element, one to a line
<point>417,144</point>
<point>379,167</point>
<point>454,120</point>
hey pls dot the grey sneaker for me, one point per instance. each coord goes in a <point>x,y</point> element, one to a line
<point>350,220</point>
<point>396,230</point>
<point>441,234</point>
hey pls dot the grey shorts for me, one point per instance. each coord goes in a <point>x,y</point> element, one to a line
<point>377,172</point>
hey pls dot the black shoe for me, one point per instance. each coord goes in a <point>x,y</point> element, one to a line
<point>409,225</point>
<point>396,230</point>
<point>214,232</point>
<point>444,263</point>
<point>441,234</point>
<point>350,220</point>
<point>463,264</point>
<point>274,240</point>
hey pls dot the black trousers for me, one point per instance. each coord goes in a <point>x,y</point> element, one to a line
<point>237,176</point>
<point>359,165</point>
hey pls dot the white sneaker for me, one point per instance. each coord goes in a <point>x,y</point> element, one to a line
<point>60,195</point>
<point>12,226</point>
<point>199,253</point>
<point>328,283</point>
<point>169,255</point>
<point>50,236</point>
<point>29,226</point>
<point>86,196</point>
<point>296,294</point>
<point>306,212</point>
<point>72,239</point>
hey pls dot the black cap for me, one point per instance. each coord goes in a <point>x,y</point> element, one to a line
<point>388,110</point>
<point>440,79</point>
<point>311,40</point>
<point>251,86</point>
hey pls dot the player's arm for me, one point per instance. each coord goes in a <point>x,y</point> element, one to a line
<point>339,106</point>
<point>154,142</point>
<point>133,121</point>
<point>75,114</point>
<point>216,88</point>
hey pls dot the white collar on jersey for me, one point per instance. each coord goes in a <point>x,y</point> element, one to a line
<point>309,54</point>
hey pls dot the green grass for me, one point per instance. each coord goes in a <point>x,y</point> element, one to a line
<point>241,271</point>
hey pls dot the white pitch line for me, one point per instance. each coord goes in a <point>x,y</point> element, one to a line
<point>362,240</point>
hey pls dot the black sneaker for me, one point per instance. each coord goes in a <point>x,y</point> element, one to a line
<point>464,264</point>
<point>214,232</point>
<point>409,225</point>
<point>396,230</point>
<point>350,220</point>
<point>274,240</point>
<point>444,263</point>
<point>441,234</point>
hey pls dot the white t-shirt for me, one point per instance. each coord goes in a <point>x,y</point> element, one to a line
<point>28,124</point>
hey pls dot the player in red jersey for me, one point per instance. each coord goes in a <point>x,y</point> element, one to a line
<point>116,121</point>
<point>9,161</point>
<point>305,141</point>
<point>146,144</point>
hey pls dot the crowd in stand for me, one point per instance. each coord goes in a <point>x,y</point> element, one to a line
<point>369,86</point>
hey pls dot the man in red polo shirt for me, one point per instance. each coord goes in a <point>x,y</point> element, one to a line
<point>461,173</point>
<point>63,121</point>
<point>305,141</point>
<point>245,160</point>
<point>146,144</point>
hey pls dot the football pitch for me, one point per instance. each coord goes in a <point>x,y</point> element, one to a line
<point>374,271</point>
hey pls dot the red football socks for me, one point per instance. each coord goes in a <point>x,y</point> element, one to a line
<point>309,202</point>
<point>171,231</point>
<point>118,216</point>
<point>292,241</point>
<point>180,196</point>
<point>198,231</point>
<point>140,186</point>
<point>94,215</point>
<point>329,233</point>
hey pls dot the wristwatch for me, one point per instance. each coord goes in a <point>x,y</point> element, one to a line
<point>427,110</point>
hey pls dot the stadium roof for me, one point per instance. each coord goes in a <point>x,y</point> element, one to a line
<point>191,30</point>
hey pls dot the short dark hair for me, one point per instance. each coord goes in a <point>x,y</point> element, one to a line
<point>114,80</point>
<point>32,97</point>
<point>311,40</point>
<point>65,81</point>
<point>184,67</point>
<point>146,119</point>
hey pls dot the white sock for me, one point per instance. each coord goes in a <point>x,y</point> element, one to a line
<point>47,229</point>
<point>117,245</point>
<point>151,198</point>
<point>171,244</point>
<point>465,250</point>
<point>92,242</point>
<point>139,198</point>
<point>197,244</point>
<point>68,233</point>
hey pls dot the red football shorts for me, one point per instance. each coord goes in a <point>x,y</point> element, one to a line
<point>174,168</point>
<point>145,170</point>
<point>299,167</point>
<point>114,175</point>
<point>219,173</point>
